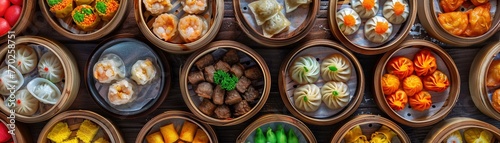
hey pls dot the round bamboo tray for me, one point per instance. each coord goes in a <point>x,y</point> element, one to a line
<point>74,118</point>
<point>439,110</point>
<point>27,12</point>
<point>441,131</point>
<point>253,57</point>
<point>302,20</point>
<point>22,134</point>
<point>71,80</point>
<point>371,122</point>
<point>428,18</point>
<point>101,30</point>
<point>271,120</point>
<point>159,88</point>
<point>176,118</point>
<point>353,43</point>
<point>214,16</point>
<point>320,49</point>
<point>477,79</point>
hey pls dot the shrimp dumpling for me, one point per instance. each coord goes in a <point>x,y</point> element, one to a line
<point>305,70</point>
<point>121,92</point>
<point>143,71</point>
<point>291,5</point>
<point>378,29</point>
<point>396,11</point>
<point>109,68</point>
<point>336,67</point>
<point>348,21</point>
<point>365,8</point>
<point>307,97</point>
<point>263,10</point>
<point>192,27</point>
<point>10,77</point>
<point>336,95</point>
<point>157,6</point>
<point>51,68</point>
<point>26,59</point>
<point>275,25</point>
<point>194,6</point>
<point>165,26</point>
<point>25,103</point>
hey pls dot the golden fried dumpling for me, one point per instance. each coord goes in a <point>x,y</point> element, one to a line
<point>400,66</point>
<point>495,100</point>
<point>264,10</point>
<point>425,62</point>
<point>479,20</point>
<point>421,101</point>
<point>450,5</point>
<point>412,85</point>
<point>454,137</point>
<point>383,135</point>
<point>479,2</point>
<point>454,22</point>
<point>493,76</point>
<point>390,84</point>
<point>477,135</point>
<point>398,100</point>
<point>355,135</point>
<point>437,82</point>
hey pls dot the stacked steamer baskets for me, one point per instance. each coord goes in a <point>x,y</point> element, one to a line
<point>275,23</point>
<point>176,126</point>
<point>373,128</point>
<point>84,20</point>
<point>126,77</point>
<point>80,126</point>
<point>16,18</point>
<point>276,128</point>
<point>461,129</point>
<point>179,26</point>
<point>416,84</point>
<point>20,134</point>
<point>38,79</point>
<point>460,22</point>
<point>321,82</point>
<point>484,80</point>
<point>225,83</point>
<point>372,26</point>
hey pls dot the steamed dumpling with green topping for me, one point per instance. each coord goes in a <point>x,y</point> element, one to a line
<point>307,97</point>
<point>82,2</point>
<point>336,67</point>
<point>335,94</point>
<point>60,8</point>
<point>305,70</point>
<point>85,17</point>
<point>106,9</point>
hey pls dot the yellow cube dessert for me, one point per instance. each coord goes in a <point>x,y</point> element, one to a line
<point>87,131</point>
<point>101,140</point>
<point>73,140</point>
<point>155,138</point>
<point>188,130</point>
<point>200,137</point>
<point>169,133</point>
<point>59,132</point>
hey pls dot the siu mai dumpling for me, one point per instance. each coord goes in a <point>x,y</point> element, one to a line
<point>479,20</point>
<point>157,6</point>
<point>400,66</point>
<point>291,5</point>
<point>378,29</point>
<point>382,135</point>
<point>355,135</point>
<point>51,68</point>
<point>305,70</point>
<point>348,21</point>
<point>25,103</point>
<point>390,84</point>
<point>192,27</point>
<point>122,92</point>
<point>421,101</point>
<point>454,22</point>
<point>437,82</point>
<point>477,135</point>
<point>336,95</point>
<point>194,6</point>
<point>365,8</point>
<point>495,100</point>
<point>336,67</point>
<point>479,2</point>
<point>109,68</point>
<point>396,11</point>
<point>10,77</point>
<point>277,24</point>
<point>398,100</point>
<point>307,97</point>
<point>26,59</point>
<point>412,85</point>
<point>450,5</point>
<point>264,10</point>
<point>143,71</point>
<point>425,63</point>
<point>493,76</point>
<point>165,26</point>
<point>454,137</point>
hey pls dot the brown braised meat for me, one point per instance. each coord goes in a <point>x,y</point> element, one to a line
<point>205,90</point>
<point>243,84</point>
<point>241,108</point>
<point>218,97</point>
<point>220,65</point>
<point>237,70</point>
<point>209,73</point>
<point>204,61</point>
<point>207,107</point>
<point>253,73</point>
<point>195,77</point>
<point>232,97</point>
<point>251,94</point>
<point>231,57</point>
<point>222,112</point>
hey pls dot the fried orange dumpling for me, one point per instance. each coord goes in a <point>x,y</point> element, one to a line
<point>450,5</point>
<point>400,66</point>
<point>421,101</point>
<point>493,77</point>
<point>479,2</point>
<point>495,100</point>
<point>479,20</point>
<point>412,85</point>
<point>390,83</point>
<point>454,22</point>
<point>437,82</point>
<point>425,62</point>
<point>398,100</point>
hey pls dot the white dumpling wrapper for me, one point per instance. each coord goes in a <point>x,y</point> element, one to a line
<point>372,35</point>
<point>143,71</point>
<point>44,90</point>
<point>25,103</point>
<point>157,6</point>
<point>357,5</point>
<point>51,68</point>
<point>348,30</point>
<point>26,59</point>
<point>264,10</point>
<point>335,95</point>
<point>275,25</point>
<point>391,16</point>
<point>11,80</point>
<point>112,66</point>
<point>291,5</point>
<point>307,97</point>
<point>336,67</point>
<point>305,70</point>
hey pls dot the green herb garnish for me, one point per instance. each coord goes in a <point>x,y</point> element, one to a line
<point>80,16</point>
<point>225,80</point>
<point>307,70</point>
<point>53,2</point>
<point>333,68</point>
<point>335,93</point>
<point>306,99</point>
<point>101,7</point>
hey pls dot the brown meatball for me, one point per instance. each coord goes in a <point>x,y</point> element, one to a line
<point>205,90</point>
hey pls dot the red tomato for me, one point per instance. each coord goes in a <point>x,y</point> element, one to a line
<point>4,26</point>
<point>4,4</point>
<point>12,14</point>
<point>17,2</point>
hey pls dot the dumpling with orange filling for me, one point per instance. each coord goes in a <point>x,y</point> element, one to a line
<point>493,76</point>
<point>454,22</point>
<point>348,21</point>
<point>390,84</point>
<point>400,66</point>
<point>425,62</point>
<point>479,20</point>
<point>365,8</point>
<point>495,100</point>
<point>421,101</point>
<point>412,85</point>
<point>450,5</point>
<point>378,29</point>
<point>437,82</point>
<point>396,11</point>
<point>479,2</point>
<point>398,100</point>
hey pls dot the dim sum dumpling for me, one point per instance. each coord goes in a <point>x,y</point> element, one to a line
<point>44,90</point>
<point>110,67</point>
<point>479,20</point>
<point>307,97</point>
<point>454,22</point>
<point>454,137</point>
<point>378,29</point>
<point>477,135</point>
<point>336,95</point>
<point>397,101</point>
<point>400,66</point>
<point>51,68</point>
<point>122,92</point>
<point>25,103</point>
<point>157,6</point>
<point>277,24</point>
<point>493,76</point>
<point>396,11</point>
<point>336,67</point>
<point>412,85</point>
<point>143,71</point>
<point>192,27</point>
<point>263,10</point>
<point>421,101</point>
<point>291,5</point>
<point>425,63</point>
<point>355,135</point>
<point>383,135</point>
<point>348,21</point>
<point>365,8</point>
<point>10,79</point>
<point>437,82</point>
<point>305,70</point>
<point>26,59</point>
<point>495,100</point>
<point>390,84</point>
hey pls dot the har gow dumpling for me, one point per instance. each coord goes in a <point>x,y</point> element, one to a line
<point>305,70</point>
<point>11,80</point>
<point>348,21</point>
<point>25,103</point>
<point>378,29</point>
<point>336,67</point>
<point>365,8</point>
<point>396,11</point>
<point>307,97</point>
<point>335,95</point>
<point>110,67</point>
<point>291,5</point>
<point>263,10</point>
<point>143,71</point>
<point>51,68</point>
<point>277,24</point>
<point>26,59</point>
<point>121,92</point>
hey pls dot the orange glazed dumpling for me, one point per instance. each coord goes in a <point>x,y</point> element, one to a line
<point>421,101</point>
<point>495,100</point>
<point>493,77</point>
<point>437,82</point>
<point>400,66</point>
<point>479,20</point>
<point>454,22</point>
<point>450,5</point>
<point>425,62</point>
<point>479,2</point>
<point>398,100</point>
<point>412,85</point>
<point>390,84</point>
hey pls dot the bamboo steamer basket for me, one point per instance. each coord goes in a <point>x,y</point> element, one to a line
<point>447,104</point>
<point>252,30</point>
<point>145,21</point>
<point>429,20</point>
<point>371,122</point>
<point>71,74</point>
<point>477,79</point>
<point>185,90</point>
<point>75,117</point>
<point>392,43</point>
<point>101,31</point>
<point>169,117</point>
<point>27,12</point>
<point>287,85</point>
<point>285,120</point>
<point>441,131</point>
<point>22,134</point>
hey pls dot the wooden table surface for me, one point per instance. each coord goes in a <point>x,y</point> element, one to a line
<point>230,31</point>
